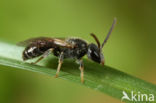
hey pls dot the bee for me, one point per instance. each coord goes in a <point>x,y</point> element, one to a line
<point>74,48</point>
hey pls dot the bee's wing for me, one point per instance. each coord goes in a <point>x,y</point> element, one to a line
<point>32,41</point>
<point>56,41</point>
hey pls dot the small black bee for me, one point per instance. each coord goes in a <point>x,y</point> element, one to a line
<point>74,48</point>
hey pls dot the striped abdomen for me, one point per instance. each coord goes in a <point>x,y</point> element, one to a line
<point>37,46</point>
<point>33,51</point>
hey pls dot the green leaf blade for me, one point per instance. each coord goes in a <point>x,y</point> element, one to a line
<point>101,78</point>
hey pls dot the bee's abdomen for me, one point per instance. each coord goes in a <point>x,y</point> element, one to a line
<point>32,52</point>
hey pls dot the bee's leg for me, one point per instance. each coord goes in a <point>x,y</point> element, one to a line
<point>46,53</point>
<point>59,65</point>
<point>81,70</point>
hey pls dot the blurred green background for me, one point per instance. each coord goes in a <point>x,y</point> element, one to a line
<point>131,47</point>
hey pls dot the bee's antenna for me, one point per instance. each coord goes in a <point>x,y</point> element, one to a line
<point>110,31</point>
<point>96,39</point>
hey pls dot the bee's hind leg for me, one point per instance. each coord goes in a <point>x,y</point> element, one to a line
<point>46,53</point>
<point>59,65</point>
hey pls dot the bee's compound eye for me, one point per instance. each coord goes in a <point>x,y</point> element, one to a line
<point>94,53</point>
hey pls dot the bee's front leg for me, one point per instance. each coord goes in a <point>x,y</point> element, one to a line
<point>81,70</point>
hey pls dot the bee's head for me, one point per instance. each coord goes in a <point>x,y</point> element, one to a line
<point>95,51</point>
<point>95,54</point>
